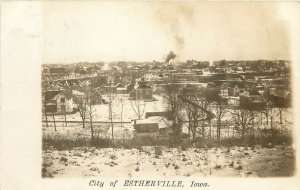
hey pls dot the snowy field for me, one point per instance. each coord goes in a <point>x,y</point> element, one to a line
<point>101,112</point>
<point>76,131</point>
<point>256,161</point>
<point>125,130</point>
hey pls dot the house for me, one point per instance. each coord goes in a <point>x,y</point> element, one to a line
<point>146,126</point>
<point>234,101</point>
<point>154,127</point>
<point>281,98</point>
<point>248,86</point>
<point>236,88</point>
<point>109,89</point>
<point>212,92</point>
<point>130,86</point>
<point>160,114</point>
<point>77,96</point>
<point>260,88</point>
<point>121,90</point>
<point>231,88</point>
<point>119,85</point>
<point>58,101</point>
<point>142,92</point>
<point>97,95</point>
<point>145,129</point>
<point>252,100</point>
<point>224,91</point>
<point>195,88</point>
<point>227,77</point>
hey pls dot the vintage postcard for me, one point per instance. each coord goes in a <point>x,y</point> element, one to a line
<point>149,95</point>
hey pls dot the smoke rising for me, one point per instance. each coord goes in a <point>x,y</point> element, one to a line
<point>170,56</point>
<point>175,17</point>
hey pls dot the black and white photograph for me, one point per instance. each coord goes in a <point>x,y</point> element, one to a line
<point>165,91</point>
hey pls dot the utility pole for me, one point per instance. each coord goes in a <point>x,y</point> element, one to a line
<point>121,113</point>
<point>110,112</point>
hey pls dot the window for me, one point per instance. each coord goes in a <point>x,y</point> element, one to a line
<point>224,93</point>
<point>62,100</point>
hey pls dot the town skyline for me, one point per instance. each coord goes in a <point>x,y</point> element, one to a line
<point>162,61</point>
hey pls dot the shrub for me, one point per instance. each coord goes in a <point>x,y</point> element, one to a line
<point>158,151</point>
<point>113,157</point>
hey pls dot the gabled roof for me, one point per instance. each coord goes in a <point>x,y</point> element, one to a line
<point>283,94</point>
<point>211,84</point>
<point>239,85</point>
<point>77,93</point>
<point>122,89</point>
<point>66,93</point>
<point>154,67</point>
<point>224,85</point>
<point>250,93</point>
<point>50,95</point>
<point>145,121</point>
<point>142,86</point>
<point>130,85</point>
<point>119,85</point>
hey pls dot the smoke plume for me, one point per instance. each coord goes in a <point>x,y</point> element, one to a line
<point>170,56</point>
<point>175,17</point>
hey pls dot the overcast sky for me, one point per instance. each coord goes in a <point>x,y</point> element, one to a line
<point>144,31</point>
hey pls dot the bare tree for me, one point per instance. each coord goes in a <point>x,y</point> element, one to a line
<point>204,114</point>
<point>194,115</point>
<point>86,107</point>
<point>268,108</point>
<point>268,112</point>
<point>110,111</point>
<point>138,107</point>
<point>280,114</point>
<point>82,109</point>
<point>90,108</point>
<point>196,108</point>
<point>121,114</point>
<point>191,112</point>
<point>220,109</point>
<point>111,119</point>
<point>171,93</point>
<point>243,119</point>
<point>84,101</point>
<point>91,111</point>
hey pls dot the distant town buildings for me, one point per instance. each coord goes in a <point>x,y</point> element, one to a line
<point>248,84</point>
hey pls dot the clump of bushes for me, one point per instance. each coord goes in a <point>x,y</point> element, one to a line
<point>61,143</point>
<point>157,151</point>
<point>113,157</point>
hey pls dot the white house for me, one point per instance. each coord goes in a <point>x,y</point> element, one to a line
<point>59,101</point>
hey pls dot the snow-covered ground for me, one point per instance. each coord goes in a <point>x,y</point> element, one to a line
<point>126,129</point>
<point>163,161</point>
<point>76,131</point>
<point>101,112</point>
